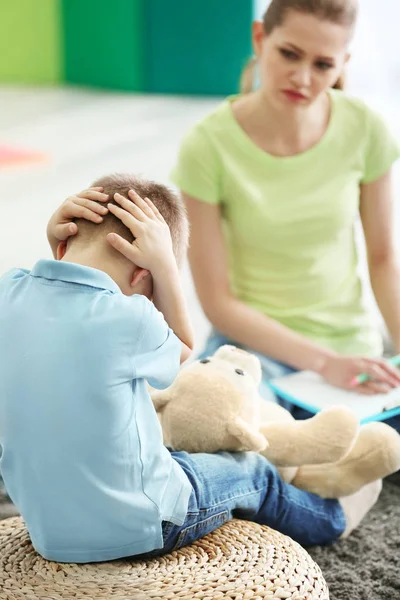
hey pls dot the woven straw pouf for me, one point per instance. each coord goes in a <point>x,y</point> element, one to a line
<point>238,561</point>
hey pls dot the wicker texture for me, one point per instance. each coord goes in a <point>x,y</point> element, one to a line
<point>238,561</point>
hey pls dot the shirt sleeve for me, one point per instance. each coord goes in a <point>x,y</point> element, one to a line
<point>157,358</point>
<point>197,171</point>
<point>382,149</point>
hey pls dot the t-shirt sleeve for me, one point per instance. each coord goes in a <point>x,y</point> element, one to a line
<point>382,148</point>
<point>197,171</point>
<point>157,358</point>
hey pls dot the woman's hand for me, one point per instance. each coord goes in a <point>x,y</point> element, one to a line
<point>341,371</point>
<point>84,205</point>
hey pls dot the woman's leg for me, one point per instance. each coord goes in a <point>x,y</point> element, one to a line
<point>214,341</point>
<point>272,369</point>
<point>394,422</point>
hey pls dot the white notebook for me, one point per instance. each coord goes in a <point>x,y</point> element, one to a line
<point>310,391</point>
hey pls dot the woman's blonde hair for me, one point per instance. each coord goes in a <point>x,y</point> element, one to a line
<point>343,12</point>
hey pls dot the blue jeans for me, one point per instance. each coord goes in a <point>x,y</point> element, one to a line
<point>245,485</point>
<point>271,369</point>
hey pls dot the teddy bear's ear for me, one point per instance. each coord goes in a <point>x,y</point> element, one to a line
<point>160,399</point>
<point>248,438</point>
<point>242,359</point>
<point>225,350</point>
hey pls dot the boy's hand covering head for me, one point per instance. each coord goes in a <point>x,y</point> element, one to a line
<point>152,244</point>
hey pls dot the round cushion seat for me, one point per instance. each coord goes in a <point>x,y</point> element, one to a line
<point>239,561</point>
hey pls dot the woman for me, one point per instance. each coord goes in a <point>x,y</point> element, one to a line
<point>274,181</point>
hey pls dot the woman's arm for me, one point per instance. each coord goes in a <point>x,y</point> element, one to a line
<point>245,325</point>
<point>377,217</point>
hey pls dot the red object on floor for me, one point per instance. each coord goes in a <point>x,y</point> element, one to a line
<point>11,157</point>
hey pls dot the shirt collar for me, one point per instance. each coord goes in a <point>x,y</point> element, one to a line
<point>73,273</point>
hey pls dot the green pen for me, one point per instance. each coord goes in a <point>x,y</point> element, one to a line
<point>363,377</point>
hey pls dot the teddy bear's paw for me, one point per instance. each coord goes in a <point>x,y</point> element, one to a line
<point>375,455</point>
<point>334,431</point>
<point>247,438</point>
<point>377,450</point>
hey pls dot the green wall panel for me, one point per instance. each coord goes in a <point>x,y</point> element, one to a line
<point>30,41</point>
<point>103,43</point>
<point>197,46</point>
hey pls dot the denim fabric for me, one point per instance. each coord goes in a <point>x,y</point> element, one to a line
<point>245,485</point>
<point>394,422</point>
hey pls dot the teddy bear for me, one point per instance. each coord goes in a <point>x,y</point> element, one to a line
<point>214,405</point>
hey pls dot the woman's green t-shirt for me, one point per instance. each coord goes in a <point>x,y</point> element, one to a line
<point>289,221</point>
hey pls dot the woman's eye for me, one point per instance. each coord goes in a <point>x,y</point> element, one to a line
<point>288,54</point>
<point>323,66</point>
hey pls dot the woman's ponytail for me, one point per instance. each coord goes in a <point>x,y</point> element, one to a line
<point>248,76</point>
<point>341,82</point>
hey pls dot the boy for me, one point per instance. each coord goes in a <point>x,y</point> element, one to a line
<point>83,457</point>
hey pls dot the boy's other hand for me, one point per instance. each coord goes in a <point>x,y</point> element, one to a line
<point>84,205</point>
<point>152,246</point>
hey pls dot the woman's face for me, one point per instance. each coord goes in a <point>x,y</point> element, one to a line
<point>300,59</point>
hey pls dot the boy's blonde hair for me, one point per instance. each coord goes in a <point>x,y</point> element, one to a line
<point>168,203</point>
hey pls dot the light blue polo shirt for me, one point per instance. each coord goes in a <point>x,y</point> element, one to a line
<point>83,456</point>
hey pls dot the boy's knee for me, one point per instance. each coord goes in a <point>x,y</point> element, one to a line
<point>255,465</point>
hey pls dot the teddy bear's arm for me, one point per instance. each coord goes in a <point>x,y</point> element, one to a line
<point>160,398</point>
<point>246,436</point>
<point>324,438</point>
